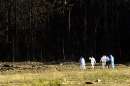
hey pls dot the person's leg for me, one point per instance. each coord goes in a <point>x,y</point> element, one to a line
<point>113,65</point>
<point>84,67</point>
<point>103,64</point>
<point>92,65</point>
<point>107,63</point>
<point>81,66</point>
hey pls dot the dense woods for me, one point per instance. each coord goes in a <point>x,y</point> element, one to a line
<point>44,30</point>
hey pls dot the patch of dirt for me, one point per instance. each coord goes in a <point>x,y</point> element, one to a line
<point>38,66</point>
<point>4,67</point>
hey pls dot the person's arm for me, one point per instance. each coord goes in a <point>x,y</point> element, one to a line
<point>95,61</point>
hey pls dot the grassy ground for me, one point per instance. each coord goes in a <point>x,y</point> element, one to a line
<point>65,75</point>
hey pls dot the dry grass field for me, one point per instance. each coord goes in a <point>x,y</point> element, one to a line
<point>38,74</point>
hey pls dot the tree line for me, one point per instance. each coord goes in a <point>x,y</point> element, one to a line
<point>63,29</point>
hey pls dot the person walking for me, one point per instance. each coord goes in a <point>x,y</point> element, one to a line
<point>103,60</point>
<point>93,62</point>
<point>108,62</point>
<point>82,63</point>
<point>112,61</point>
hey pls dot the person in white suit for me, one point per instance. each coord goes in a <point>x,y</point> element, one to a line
<point>82,63</point>
<point>103,60</point>
<point>112,61</point>
<point>93,62</point>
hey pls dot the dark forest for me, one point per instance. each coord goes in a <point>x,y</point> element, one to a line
<point>47,30</point>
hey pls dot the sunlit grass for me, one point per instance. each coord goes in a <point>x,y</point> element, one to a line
<point>67,76</point>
